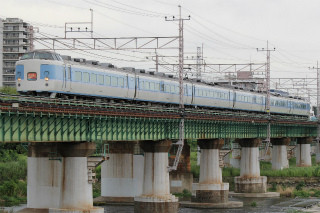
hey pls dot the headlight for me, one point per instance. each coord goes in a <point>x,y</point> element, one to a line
<point>46,79</point>
<point>19,79</point>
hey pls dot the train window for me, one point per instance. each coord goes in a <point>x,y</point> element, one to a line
<point>107,80</point>
<point>147,85</point>
<point>100,79</point>
<point>176,89</point>
<point>114,81</point>
<point>152,86</point>
<point>43,55</point>
<point>172,89</point>
<point>166,88</point>
<point>141,84</point>
<point>93,78</point>
<point>77,76</point>
<point>197,92</point>
<point>120,82</point>
<point>85,77</point>
<point>157,86</point>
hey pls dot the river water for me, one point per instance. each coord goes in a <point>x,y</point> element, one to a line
<point>263,205</point>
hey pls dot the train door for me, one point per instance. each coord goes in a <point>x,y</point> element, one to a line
<point>68,78</point>
<point>193,94</point>
<point>234,99</point>
<point>136,86</point>
<point>126,85</point>
<point>290,107</point>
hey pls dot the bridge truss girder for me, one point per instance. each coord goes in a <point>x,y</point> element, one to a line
<point>48,127</point>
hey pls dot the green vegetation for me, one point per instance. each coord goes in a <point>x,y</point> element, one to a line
<point>294,211</point>
<point>253,204</point>
<point>13,167</point>
<point>230,172</point>
<point>96,187</point>
<point>9,90</point>
<point>185,194</point>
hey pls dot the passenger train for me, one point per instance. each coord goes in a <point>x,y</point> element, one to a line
<point>47,73</point>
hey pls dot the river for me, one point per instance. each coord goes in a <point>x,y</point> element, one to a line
<point>262,205</point>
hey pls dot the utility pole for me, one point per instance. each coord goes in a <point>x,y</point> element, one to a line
<point>199,62</point>
<point>181,88</point>
<point>268,94</point>
<point>318,110</point>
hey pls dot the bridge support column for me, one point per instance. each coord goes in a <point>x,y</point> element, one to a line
<point>279,153</point>
<point>156,197</point>
<point>303,152</point>
<point>118,181</point>
<point>250,180</point>
<point>58,178</point>
<point>211,189</point>
<point>211,192</point>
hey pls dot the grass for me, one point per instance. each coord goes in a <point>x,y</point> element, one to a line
<point>185,194</point>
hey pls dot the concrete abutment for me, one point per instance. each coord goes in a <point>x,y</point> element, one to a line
<point>58,178</point>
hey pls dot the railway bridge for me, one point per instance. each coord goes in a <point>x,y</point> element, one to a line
<point>62,134</point>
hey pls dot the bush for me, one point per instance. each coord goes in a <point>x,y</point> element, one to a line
<point>273,187</point>
<point>253,204</point>
<point>9,90</point>
<point>300,185</point>
<point>316,193</point>
<point>195,169</point>
<point>301,193</point>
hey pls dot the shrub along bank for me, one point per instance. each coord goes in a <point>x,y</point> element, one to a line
<point>13,174</point>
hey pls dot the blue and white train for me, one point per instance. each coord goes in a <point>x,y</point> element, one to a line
<point>42,72</point>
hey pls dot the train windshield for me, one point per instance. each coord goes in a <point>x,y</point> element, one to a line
<point>41,55</point>
<point>27,56</point>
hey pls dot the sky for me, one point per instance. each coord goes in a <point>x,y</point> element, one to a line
<point>229,30</point>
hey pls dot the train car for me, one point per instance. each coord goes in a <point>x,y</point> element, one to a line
<point>46,73</point>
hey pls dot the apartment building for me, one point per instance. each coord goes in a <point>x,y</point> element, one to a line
<point>17,38</point>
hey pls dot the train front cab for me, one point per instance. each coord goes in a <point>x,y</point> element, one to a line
<point>35,74</point>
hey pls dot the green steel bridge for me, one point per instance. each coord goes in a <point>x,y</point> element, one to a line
<point>29,119</point>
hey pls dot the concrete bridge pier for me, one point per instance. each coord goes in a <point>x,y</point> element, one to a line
<point>156,197</point>
<point>211,189</point>
<point>303,152</point>
<point>279,153</point>
<point>250,183</point>
<point>211,192</point>
<point>58,178</point>
<point>121,174</point>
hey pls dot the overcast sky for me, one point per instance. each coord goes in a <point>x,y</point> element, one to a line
<point>230,30</point>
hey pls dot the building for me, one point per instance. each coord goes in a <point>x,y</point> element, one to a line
<point>17,38</point>
<point>1,49</point>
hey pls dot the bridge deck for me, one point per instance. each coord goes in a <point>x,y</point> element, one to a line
<point>25,119</point>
